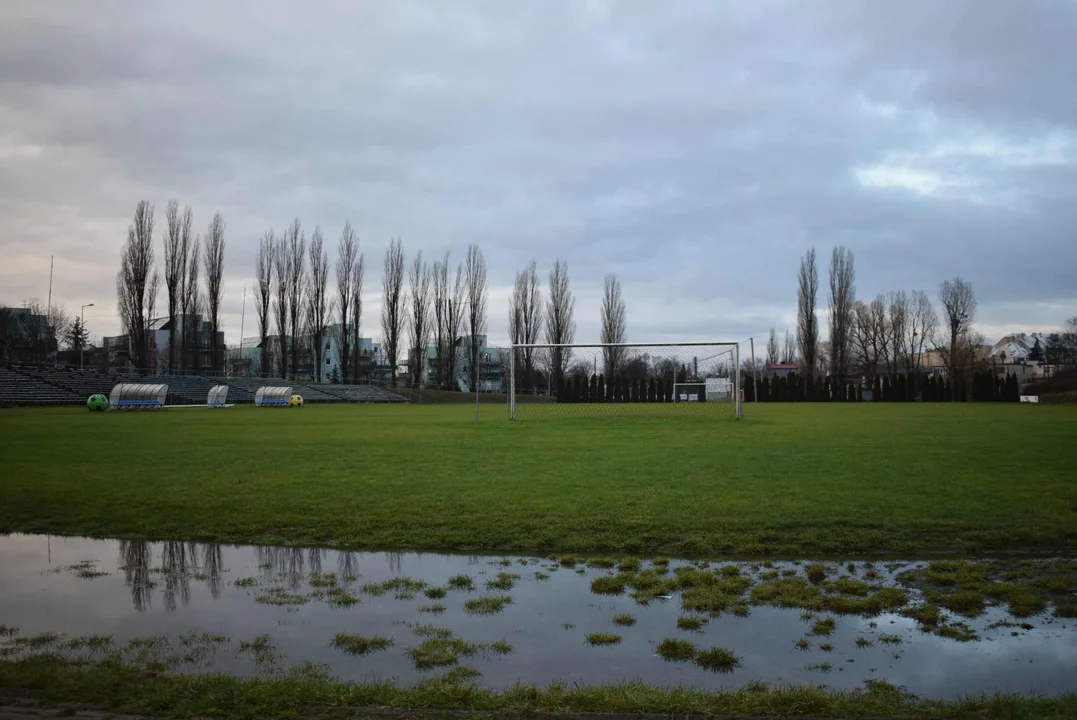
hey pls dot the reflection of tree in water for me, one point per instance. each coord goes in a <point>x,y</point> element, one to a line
<point>396,562</point>
<point>180,562</point>
<point>347,564</point>
<point>289,564</point>
<point>176,560</point>
<point>135,562</point>
<point>212,565</point>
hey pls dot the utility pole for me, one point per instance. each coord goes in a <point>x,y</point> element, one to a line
<point>48,312</point>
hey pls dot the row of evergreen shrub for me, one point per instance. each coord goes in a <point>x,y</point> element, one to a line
<point>620,389</point>
<point>984,387</point>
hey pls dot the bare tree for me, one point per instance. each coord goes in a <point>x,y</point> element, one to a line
<point>175,272</point>
<point>922,328</point>
<point>296,255</point>
<point>136,283</point>
<point>772,348</point>
<point>192,308</point>
<point>869,337</point>
<point>457,310</point>
<point>214,269</point>
<point>263,294</point>
<point>560,326</point>
<point>899,317</point>
<point>807,322</point>
<point>184,246</point>
<point>525,322</point>
<point>394,300</point>
<point>448,309</point>
<point>959,307</point>
<point>347,250</point>
<point>613,321</point>
<point>441,299</point>
<point>789,349</point>
<point>842,296</point>
<point>319,307</point>
<point>419,319</point>
<point>477,300</point>
<point>358,274</point>
<point>280,307</point>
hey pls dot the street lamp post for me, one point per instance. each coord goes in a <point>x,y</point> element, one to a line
<point>82,330</point>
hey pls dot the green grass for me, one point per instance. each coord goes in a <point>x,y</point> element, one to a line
<point>806,479</point>
<point>125,689</point>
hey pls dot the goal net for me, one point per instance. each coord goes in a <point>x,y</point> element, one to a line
<point>649,380</point>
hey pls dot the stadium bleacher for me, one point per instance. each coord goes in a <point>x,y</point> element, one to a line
<point>19,388</point>
<point>35,385</point>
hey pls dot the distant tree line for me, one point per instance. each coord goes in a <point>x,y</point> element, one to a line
<point>621,389</point>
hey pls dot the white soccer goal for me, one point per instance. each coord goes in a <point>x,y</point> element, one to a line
<point>625,380</point>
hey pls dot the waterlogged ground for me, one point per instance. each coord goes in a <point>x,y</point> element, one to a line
<point>940,629</point>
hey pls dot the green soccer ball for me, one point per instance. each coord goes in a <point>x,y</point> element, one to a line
<point>296,401</point>
<point>97,403</point>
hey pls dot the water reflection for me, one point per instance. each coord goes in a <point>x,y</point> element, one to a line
<point>301,598</point>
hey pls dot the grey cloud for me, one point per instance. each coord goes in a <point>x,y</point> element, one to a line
<point>696,148</point>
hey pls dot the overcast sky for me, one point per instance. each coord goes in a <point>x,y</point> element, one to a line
<point>694,148</point>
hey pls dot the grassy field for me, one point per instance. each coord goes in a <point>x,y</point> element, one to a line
<point>792,479</point>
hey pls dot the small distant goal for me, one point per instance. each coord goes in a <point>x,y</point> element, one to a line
<point>625,380</point>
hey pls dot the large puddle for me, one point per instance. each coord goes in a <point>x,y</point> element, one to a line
<point>255,610</point>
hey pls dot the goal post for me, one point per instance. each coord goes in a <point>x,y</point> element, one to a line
<point>625,380</point>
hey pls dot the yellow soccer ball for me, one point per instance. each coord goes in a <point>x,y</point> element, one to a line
<point>296,401</point>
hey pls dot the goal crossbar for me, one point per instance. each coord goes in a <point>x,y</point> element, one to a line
<point>733,348</point>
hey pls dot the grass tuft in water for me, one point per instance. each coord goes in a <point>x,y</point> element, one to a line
<point>826,647</point>
<point>323,580</point>
<point>431,631</point>
<point>863,642</point>
<point>603,563</point>
<point>629,565</point>
<point>435,593</point>
<point>504,581</point>
<point>608,585</point>
<point>741,609</point>
<point>603,638</point>
<point>718,659</point>
<point>802,644</point>
<point>359,645</point>
<point>676,650</point>
<point>968,603</point>
<point>338,597</point>
<point>542,576</point>
<point>823,627</point>
<point>568,561</point>
<point>489,605</point>
<point>435,609</point>
<point>246,582</point>
<point>691,622</point>
<point>624,620</point>
<point>816,572</point>
<point>1066,608</point>
<point>958,631</point>
<point>891,639</point>
<point>462,582</point>
<point>501,647</point>
<point>440,652</point>
<point>458,674</point>
<point>926,615</point>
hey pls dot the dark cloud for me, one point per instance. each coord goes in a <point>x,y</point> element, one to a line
<point>696,149</point>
